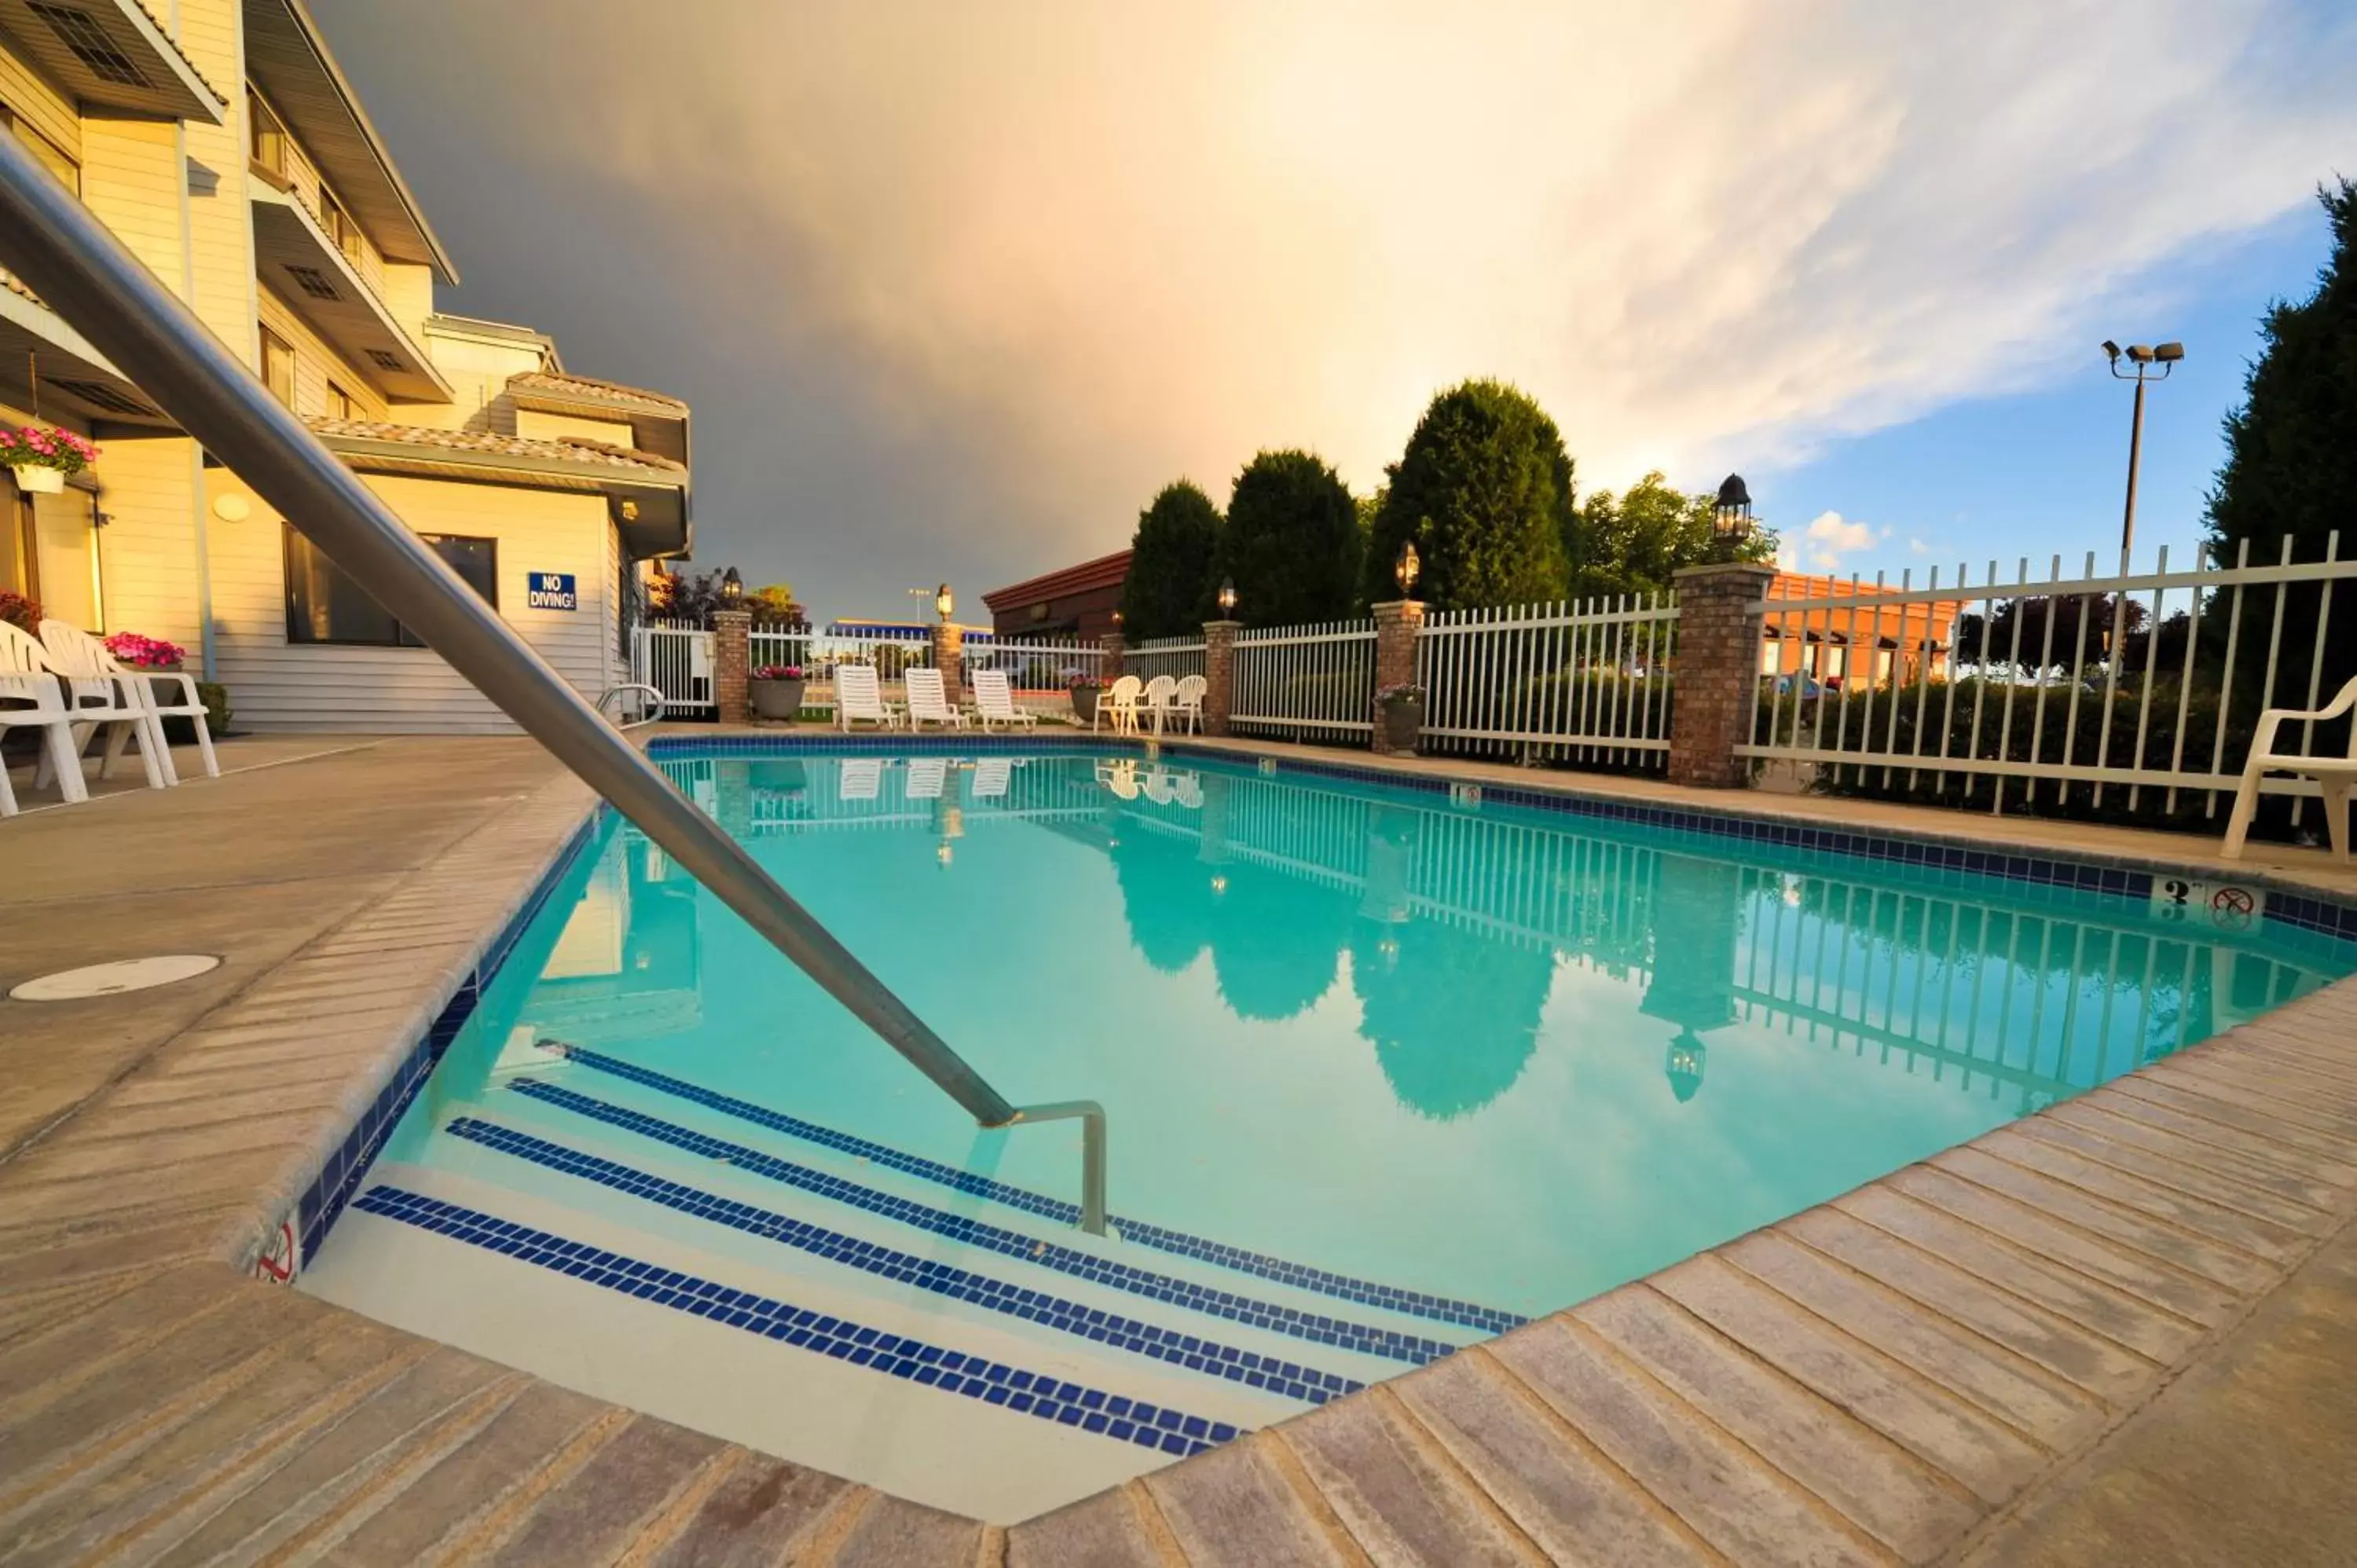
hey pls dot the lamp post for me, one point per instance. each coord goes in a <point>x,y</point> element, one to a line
<point>1407,568</point>
<point>732,588</point>
<point>945,602</point>
<point>1730,521</point>
<point>2166,356</point>
<point>1228,599</point>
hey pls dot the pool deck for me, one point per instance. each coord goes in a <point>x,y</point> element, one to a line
<point>2124,1329</point>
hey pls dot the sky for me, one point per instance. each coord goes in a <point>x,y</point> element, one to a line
<point>955,289</point>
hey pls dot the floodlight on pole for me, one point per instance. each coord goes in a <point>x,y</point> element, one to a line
<point>2143,356</point>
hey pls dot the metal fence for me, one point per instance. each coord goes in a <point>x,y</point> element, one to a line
<point>2027,691</point>
<point>1587,682</point>
<point>1306,682</point>
<point>1037,665</point>
<point>1172,656</point>
<point>674,658</point>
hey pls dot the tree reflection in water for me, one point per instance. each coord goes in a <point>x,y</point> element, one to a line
<point>1453,1015</point>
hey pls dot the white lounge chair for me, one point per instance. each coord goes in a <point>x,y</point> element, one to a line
<point>861,778</point>
<point>1154,702</point>
<point>928,703</point>
<point>1187,701</point>
<point>31,698</point>
<point>860,699</point>
<point>994,702</point>
<point>926,775</point>
<point>2334,775</point>
<point>991,775</point>
<point>94,702</point>
<point>1118,705</point>
<point>162,693</point>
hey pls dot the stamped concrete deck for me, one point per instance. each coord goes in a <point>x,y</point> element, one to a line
<point>2125,1330</point>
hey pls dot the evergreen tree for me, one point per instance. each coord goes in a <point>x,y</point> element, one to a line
<point>1634,542</point>
<point>2291,460</point>
<point>1485,489</point>
<point>1292,542</point>
<point>1171,564</point>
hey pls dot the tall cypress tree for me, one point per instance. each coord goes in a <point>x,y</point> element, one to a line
<point>1172,565</point>
<point>2291,459</point>
<point>1484,488</point>
<point>1292,541</point>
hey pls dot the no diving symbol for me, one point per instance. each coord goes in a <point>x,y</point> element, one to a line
<point>2231,908</point>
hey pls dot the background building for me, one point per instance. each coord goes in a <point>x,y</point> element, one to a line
<point>1074,601</point>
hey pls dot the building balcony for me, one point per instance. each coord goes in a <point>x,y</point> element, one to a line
<point>111,56</point>
<point>294,256</point>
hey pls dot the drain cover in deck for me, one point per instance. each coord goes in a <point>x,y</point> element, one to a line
<point>108,979</point>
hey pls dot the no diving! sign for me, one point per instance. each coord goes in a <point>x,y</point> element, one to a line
<point>549,591</point>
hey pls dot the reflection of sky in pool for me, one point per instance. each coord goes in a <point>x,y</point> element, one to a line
<point>1506,1056</point>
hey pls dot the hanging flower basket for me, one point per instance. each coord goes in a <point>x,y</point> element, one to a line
<point>43,457</point>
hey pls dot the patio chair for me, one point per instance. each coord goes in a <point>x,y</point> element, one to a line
<point>991,776</point>
<point>93,703</point>
<point>928,703</point>
<point>1120,776</point>
<point>861,778</point>
<point>31,698</point>
<point>164,693</point>
<point>1118,706</point>
<point>2334,775</point>
<point>1187,701</point>
<point>1155,701</point>
<point>925,778</point>
<point>860,699</point>
<point>994,702</point>
<point>1160,787</point>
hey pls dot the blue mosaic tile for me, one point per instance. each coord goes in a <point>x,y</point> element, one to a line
<point>1417,1304</point>
<point>905,1268</point>
<point>1290,1321</point>
<point>1027,1392</point>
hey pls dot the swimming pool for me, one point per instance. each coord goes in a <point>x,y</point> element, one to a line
<point>1386,1071</point>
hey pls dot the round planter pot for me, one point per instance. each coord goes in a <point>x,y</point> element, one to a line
<point>1403,725</point>
<point>1084,704</point>
<point>776,699</point>
<point>39,479</point>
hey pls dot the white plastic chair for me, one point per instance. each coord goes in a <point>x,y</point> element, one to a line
<point>1155,701</point>
<point>1187,701</point>
<point>31,698</point>
<point>2334,775</point>
<point>925,779</point>
<point>861,778</point>
<point>1160,787</point>
<point>1120,776</point>
<point>1118,706</point>
<point>1188,791</point>
<point>162,693</point>
<point>94,702</point>
<point>993,701</point>
<point>859,698</point>
<point>928,703</point>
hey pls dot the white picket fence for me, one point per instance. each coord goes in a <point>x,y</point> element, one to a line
<point>1585,681</point>
<point>1171,656</point>
<point>1306,682</point>
<point>1035,665</point>
<point>2138,681</point>
<point>676,659</point>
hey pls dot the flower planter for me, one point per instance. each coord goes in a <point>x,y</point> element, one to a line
<point>1403,725</point>
<point>777,699</point>
<point>40,478</point>
<point>1084,704</point>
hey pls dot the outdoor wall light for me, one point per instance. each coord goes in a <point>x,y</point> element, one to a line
<point>232,506</point>
<point>1407,568</point>
<point>732,587</point>
<point>944,601</point>
<point>1730,523</point>
<point>1228,597</point>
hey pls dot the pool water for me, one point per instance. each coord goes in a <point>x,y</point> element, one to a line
<point>1384,1073</point>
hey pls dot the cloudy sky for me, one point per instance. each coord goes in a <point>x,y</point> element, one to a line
<point>955,287</point>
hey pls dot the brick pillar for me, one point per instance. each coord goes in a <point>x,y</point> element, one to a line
<point>1219,673</point>
<point>1718,669</point>
<point>949,657</point>
<point>1114,648</point>
<point>732,664</point>
<point>1396,624</point>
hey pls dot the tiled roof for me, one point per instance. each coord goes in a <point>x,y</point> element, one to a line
<point>569,449</point>
<point>603,391</point>
<point>1104,571</point>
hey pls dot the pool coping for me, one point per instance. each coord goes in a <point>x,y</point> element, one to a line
<point>1527,1444</point>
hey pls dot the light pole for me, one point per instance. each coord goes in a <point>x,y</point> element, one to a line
<point>2166,356</point>
<point>1730,519</point>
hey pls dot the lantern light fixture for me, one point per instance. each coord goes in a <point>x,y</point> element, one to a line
<point>1228,597</point>
<point>1407,568</point>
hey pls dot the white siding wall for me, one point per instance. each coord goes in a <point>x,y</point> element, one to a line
<point>275,685</point>
<point>148,548</point>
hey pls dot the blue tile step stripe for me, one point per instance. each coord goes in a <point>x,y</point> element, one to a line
<point>1412,1303</point>
<point>1388,1343</point>
<point>1189,1351</point>
<point>1030,1393</point>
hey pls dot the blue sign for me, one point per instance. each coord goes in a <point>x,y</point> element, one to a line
<point>551,591</point>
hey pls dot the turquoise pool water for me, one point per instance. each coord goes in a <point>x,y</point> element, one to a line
<point>1504,1056</point>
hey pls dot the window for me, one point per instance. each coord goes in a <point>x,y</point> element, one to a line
<point>324,605</point>
<point>267,137</point>
<point>338,224</point>
<point>340,405</point>
<point>279,366</point>
<point>48,550</point>
<point>50,156</point>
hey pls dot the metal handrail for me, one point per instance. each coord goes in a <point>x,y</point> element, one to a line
<point>661,703</point>
<point>80,271</point>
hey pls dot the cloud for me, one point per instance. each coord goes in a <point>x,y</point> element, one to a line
<point>961,286</point>
<point>1821,545</point>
